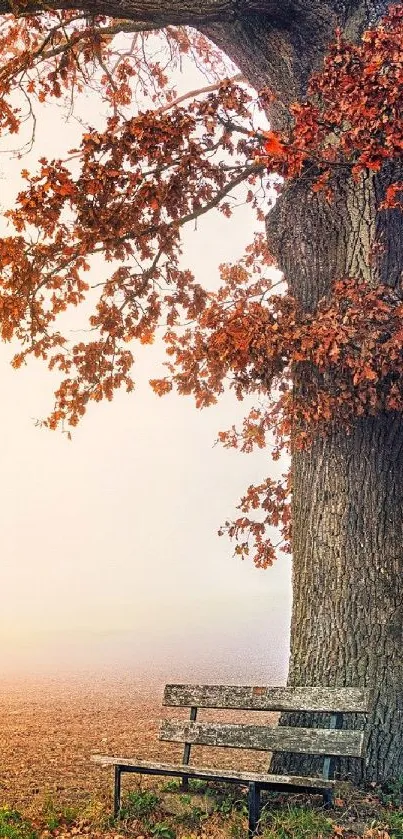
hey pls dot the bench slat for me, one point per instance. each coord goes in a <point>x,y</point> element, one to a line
<point>344,700</point>
<point>314,741</point>
<point>214,773</point>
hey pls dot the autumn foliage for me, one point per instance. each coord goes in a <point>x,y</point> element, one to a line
<point>353,115</point>
<point>127,191</point>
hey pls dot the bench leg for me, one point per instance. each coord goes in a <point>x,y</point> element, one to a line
<point>185,783</point>
<point>254,808</point>
<point>116,794</point>
<point>327,798</point>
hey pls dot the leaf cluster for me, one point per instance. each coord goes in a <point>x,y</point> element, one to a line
<point>128,189</point>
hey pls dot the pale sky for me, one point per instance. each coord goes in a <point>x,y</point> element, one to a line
<point>110,552</point>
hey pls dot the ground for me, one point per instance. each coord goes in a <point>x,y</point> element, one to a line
<point>49,727</point>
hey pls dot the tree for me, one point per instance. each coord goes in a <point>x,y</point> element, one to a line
<point>327,355</point>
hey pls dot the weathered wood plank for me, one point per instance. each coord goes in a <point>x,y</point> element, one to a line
<point>314,741</point>
<point>213,773</point>
<point>266,698</point>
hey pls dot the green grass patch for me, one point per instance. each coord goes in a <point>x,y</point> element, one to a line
<point>392,793</point>
<point>13,826</point>
<point>394,822</point>
<point>198,785</point>
<point>139,804</point>
<point>171,786</point>
<point>295,823</point>
<point>56,814</point>
<point>163,830</point>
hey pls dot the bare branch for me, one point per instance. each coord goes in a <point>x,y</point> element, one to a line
<point>191,94</point>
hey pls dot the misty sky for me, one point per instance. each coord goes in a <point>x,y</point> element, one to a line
<point>110,553</point>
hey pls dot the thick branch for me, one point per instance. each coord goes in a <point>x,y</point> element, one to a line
<point>161,13</point>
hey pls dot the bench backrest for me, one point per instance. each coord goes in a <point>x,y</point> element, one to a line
<point>329,742</point>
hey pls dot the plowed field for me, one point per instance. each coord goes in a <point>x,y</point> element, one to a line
<point>50,727</point>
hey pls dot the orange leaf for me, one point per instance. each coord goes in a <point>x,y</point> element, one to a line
<point>273,144</point>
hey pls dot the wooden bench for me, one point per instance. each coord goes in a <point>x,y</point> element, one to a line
<point>330,742</point>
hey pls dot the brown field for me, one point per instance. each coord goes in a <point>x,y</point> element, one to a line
<point>50,727</point>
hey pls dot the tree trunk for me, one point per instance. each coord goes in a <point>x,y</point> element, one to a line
<point>347,577</point>
<point>347,619</point>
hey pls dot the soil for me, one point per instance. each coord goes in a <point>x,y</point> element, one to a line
<point>50,727</point>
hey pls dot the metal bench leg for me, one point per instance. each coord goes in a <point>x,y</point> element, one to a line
<point>327,798</point>
<point>117,789</point>
<point>254,808</point>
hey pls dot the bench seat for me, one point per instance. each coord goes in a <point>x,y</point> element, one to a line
<point>330,742</point>
<point>229,775</point>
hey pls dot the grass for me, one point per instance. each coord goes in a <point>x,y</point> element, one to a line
<point>14,826</point>
<point>213,811</point>
<point>362,814</point>
<point>163,830</point>
<point>392,793</point>
<point>295,823</point>
<point>394,822</point>
<point>56,815</point>
<point>139,804</point>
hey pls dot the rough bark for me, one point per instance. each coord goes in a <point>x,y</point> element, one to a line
<point>347,569</point>
<point>348,489</point>
<point>347,621</point>
<point>170,13</point>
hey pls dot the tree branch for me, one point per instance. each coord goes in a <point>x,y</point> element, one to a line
<point>192,94</point>
<point>158,13</point>
<point>244,174</point>
<point>115,29</point>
